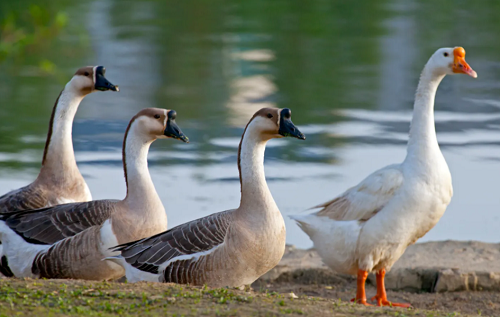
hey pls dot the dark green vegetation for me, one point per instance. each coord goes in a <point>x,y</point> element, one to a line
<point>77,298</point>
<point>27,32</point>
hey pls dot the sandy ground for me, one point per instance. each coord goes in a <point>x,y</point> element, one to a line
<point>461,255</point>
<point>331,286</point>
<point>302,272</point>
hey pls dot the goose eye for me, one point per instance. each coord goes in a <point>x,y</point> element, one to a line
<point>157,116</point>
<point>86,73</point>
<point>269,115</point>
<point>445,54</point>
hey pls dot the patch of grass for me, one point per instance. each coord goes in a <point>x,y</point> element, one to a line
<point>81,298</point>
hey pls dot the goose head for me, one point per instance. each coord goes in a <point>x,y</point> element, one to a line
<point>91,78</point>
<point>274,123</point>
<point>158,124</point>
<point>449,61</point>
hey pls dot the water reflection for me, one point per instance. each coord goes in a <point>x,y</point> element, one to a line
<point>348,71</point>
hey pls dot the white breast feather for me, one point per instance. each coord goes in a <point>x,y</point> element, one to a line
<point>108,239</point>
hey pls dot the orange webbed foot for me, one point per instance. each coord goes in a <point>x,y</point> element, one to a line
<point>388,303</point>
<point>385,302</point>
<point>381,296</point>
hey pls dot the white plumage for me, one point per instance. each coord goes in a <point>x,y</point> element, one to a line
<point>369,226</point>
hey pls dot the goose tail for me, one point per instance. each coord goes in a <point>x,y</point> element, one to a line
<point>305,222</point>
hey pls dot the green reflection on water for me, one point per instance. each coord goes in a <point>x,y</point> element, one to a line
<point>216,62</point>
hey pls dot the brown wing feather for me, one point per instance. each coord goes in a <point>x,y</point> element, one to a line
<point>28,197</point>
<point>192,237</point>
<point>52,224</point>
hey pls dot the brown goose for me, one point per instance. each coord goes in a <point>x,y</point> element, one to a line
<point>230,248</point>
<point>69,241</point>
<point>60,180</point>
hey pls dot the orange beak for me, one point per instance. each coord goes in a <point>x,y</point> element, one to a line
<point>460,66</point>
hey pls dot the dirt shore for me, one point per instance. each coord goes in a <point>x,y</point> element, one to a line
<point>330,286</point>
<point>447,278</point>
<point>466,256</point>
<point>84,298</point>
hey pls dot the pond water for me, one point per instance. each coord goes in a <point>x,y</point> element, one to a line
<point>347,70</point>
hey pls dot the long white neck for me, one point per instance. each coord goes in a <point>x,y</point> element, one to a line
<point>141,193</point>
<point>254,191</point>
<point>59,157</point>
<point>423,142</point>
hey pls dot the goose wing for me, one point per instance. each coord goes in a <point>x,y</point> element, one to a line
<point>23,198</point>
<point>51,224</point>
<point>194,238</point>
<point>363,201</point>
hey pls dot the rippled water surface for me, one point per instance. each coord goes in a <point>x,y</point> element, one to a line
<point>348,72</point>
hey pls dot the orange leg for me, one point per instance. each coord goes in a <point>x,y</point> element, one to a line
<point>360,291</point>
<point>381,296</point>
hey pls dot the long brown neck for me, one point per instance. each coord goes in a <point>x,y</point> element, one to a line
<point>255,193</point>
<point>141,192</point>
<point>58,158</point>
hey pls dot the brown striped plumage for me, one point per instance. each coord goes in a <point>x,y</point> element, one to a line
<point>28,197</point>
<point>84,251</point>
<point>51,224</point>
<point>196,236</point>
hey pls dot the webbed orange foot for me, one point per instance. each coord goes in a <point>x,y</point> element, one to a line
<point>381,296</point>
<point>392,304</point>
<point>385,302</point>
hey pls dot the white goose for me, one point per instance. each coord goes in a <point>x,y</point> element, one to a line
<point>230,248</point>
<point>70,240</point>
<point>368,227</point>
<point>59,180</point>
